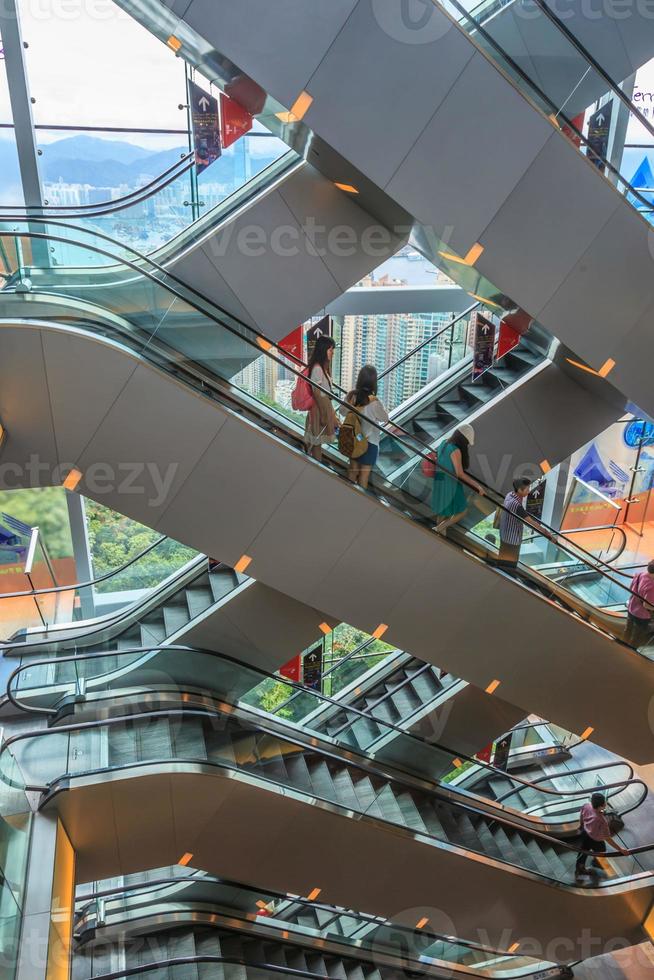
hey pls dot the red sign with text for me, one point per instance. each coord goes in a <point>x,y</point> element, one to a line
<point>235,121</point>
<point>293,344</point>
<point>512,328</point>
<point>293,669</point>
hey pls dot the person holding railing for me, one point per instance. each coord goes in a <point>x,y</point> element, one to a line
<point>449,499</point>
<point>595,833</point>
<point>640,608</point>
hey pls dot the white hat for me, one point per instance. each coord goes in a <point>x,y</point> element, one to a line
<point>468,431</point>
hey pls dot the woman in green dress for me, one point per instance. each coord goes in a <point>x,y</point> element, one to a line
<point>449,498</point>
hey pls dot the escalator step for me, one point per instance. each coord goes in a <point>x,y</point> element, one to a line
<point>410,813</point>
<point>337,970</point>
<point>222,583</point>
<point>298,773</point>
<point>198,599</point>
<point>346,793</point>
<point>152,633</point>
<point>175,618</point>
<point>321,780</point>
<point>390,807</point>
<point>188,740</point>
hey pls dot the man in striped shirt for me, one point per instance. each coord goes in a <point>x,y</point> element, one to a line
<point>512,520</point>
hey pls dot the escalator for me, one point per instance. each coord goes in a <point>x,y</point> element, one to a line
<point>213,253</point>
<point>153,918</point>
<point>248,448</point>
<point>197,600</point>
<point>537,219</point>
<point>217,776</point>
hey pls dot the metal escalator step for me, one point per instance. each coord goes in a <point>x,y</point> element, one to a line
<point>188,740</point>
<point>390,807</point>
<point>175,617</point>
<point>541,857</point>
<point>198,599</point>
<point>430,817</point>
<point>296,959</point>
<point>364,788</point>
<point>321,780</point>
<point>316,964</point>
<point>345,791</point>
<point>520,852</point>
<point>337,970</point>
<point>426,686</point>
<point>405,701</point>
<point>500,785</point>
<point>490,846</point>
<point>298,773</point>
<point>152,633</point>
<point>222,582</point>
<point>154,742</point>
<point>410,813</point>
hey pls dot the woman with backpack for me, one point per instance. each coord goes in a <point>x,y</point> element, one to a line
<point>364,398</point>
<point>321,418</point>
<point>449,499</point>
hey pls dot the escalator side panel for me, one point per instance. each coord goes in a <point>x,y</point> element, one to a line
<point>277,262</point>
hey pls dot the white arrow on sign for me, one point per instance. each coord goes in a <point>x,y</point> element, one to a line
<point>317,332</point>
<point>601,119</point>
<point>204,103</point>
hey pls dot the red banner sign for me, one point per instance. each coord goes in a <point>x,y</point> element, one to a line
<point>293,344</point>
<point>512,327</point>
<point>293,669</point>
<point>235,121</point>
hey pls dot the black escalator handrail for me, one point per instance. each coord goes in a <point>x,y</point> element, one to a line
<point>423,343</point>
<point>369,768</point>
<point>184,164</point>
<point>629,781</point>
<point>605,527</point>
<point>91,582</point>
<point>555,110</point>
<point>265,675</point>
<point>119,890</point>
<point>264,346</point>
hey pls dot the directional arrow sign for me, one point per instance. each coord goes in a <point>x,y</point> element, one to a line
<point>323,328</point>
<point>599,127</point>
<point>483,344</point>
<point>206,127</point>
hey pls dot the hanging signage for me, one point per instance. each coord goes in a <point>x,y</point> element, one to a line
<point>483,344</point>
<point>574,130</point>
<point>235,121</point>
<point>293,344</point>
<point>323,328</point>
<point>293,669</point>
<point>513,327</point>
<point>206,126</point>
<point>502,752</point>
<point>599,125</point>
<point>536,499</point>
<point>313,667</point>
<point>484,755</point>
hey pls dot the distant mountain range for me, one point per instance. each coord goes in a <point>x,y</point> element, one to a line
<point>107,163</point>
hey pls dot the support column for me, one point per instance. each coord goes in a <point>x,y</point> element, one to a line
<point>81,550</point>
<point>21,108</point>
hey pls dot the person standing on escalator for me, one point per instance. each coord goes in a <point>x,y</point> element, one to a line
<point>450,497</point>
<point>640,608</point>
<point>595,833</point>
<point>321,417</point>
